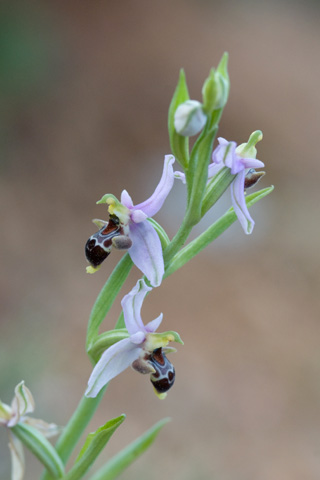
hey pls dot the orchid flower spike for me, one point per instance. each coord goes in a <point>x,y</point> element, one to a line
<point>144,349</point>
<point>242,161</point>
<point>22,404</point>
<point>128,228</point>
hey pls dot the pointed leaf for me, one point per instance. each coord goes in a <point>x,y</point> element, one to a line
<point>74,428</point>
<point>123,459</point>
<point>40,447</point>
<point>179,144</point>
<point>197,174</point>
<point>93,446</point>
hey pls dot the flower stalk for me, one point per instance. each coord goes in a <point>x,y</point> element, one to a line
<point>208,172</point>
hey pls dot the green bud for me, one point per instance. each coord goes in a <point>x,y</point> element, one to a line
<point>215,89</point>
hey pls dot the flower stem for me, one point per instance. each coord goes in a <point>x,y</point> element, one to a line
<point>178,240</point>
<point>75,427</point>
<point>106,298</point>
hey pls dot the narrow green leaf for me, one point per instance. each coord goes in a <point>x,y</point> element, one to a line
<point>93,446</point>
<point>123,459</point>
<point>75,428</point>
<point>40,447</point>
<point>197,174</point>
<point>213,232</point>
<point>106,298</point>
<point>179,144</point>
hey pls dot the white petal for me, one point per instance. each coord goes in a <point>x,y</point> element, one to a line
<point>153,204</point>
<point>47,429</point>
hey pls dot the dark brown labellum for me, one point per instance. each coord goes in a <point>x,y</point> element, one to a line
<point>252,177</point>
<point>164,377</point>
<point>99,245</point>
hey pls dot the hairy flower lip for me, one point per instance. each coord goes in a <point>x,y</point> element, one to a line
<point>144,246</point>
<point>142,341</point>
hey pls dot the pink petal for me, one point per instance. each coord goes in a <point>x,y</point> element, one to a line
<point>151,206</point>
<point>126,200</point>
<point>131,305</point>
<point>239,203</point>
<point>146,251</point>
<point>154,324</point>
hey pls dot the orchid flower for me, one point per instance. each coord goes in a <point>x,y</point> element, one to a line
<point>22,404</point>
<point>128,228</point>
<point>144,349</point>
<point>242,163</point>
<point>241,160</point>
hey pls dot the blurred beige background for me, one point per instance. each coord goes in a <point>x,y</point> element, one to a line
<point>84,92</point>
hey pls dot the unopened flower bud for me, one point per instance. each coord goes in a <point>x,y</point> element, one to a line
<point>189,118</point>
<point>215,91</point>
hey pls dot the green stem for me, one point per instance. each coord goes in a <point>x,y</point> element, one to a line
<point>178,240</point>
<point>87,406</point>
<point>75,428</point>
<point>106,298</point>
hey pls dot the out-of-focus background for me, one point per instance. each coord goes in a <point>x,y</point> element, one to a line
<point>84,92</point>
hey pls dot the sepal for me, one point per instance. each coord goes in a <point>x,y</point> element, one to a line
<point>17,458</point>
<point>22,403</point>
<point>105,340</point>
<point>5,413</point>
<point>164,239</point>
